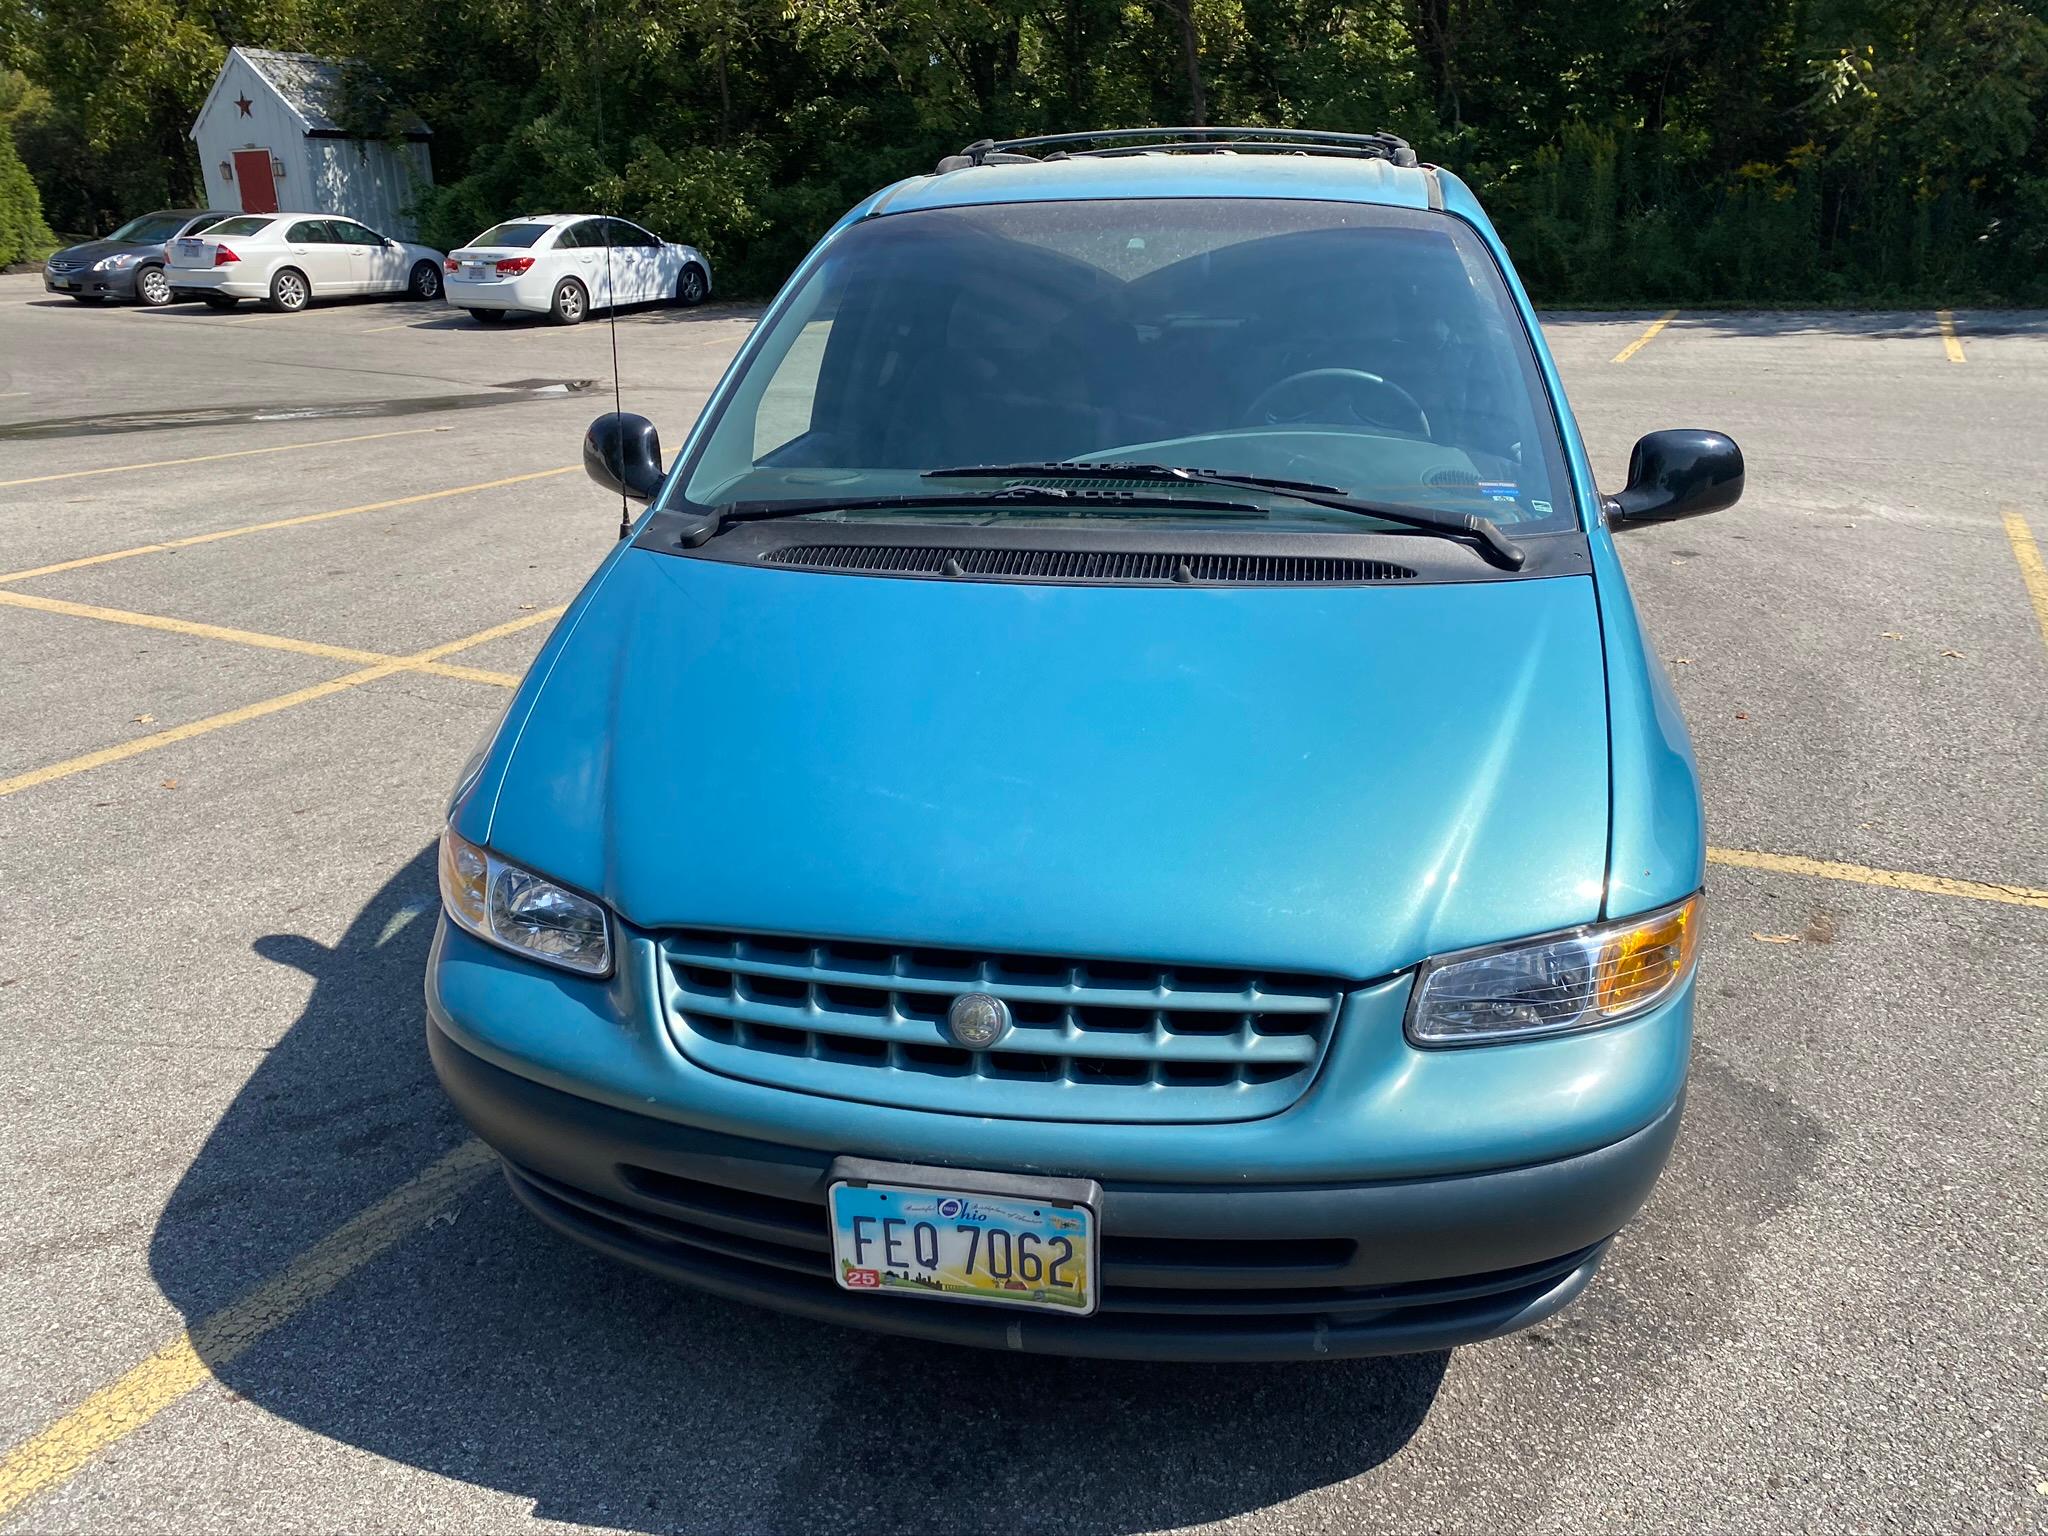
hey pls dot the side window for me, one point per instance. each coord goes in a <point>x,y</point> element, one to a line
<point>309,232</point>
<point>577,236</point>
<point>352,233</point>
<point>628,234</point>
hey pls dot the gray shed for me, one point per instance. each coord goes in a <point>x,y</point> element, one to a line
<point>269,141</point>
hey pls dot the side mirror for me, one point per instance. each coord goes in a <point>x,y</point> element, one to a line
<point>622,453</point>
<point>1680,473</point>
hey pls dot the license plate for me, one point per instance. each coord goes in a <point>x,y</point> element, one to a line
<point>186,246</point>
<point>476,271</point>
<point>61,282</point>
<point>943,1235</point>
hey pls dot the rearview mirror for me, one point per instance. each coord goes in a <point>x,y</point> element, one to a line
<point>1680,473</point>
<point>622,453</point>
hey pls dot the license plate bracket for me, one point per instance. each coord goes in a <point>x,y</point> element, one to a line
<point>961,1235</point>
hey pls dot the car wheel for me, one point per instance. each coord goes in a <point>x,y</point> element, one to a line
<point>487,316</point>
<point>692,287</point>
<point>220,301</point>
<point>426,281</point>
<point>289,291</point>
<point>570,304</point>
<point>152,288</point>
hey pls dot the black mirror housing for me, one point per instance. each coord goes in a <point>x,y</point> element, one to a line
<point>1679,473</point>
<point>622,453</point>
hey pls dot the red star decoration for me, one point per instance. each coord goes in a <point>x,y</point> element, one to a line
<point>244,103</point>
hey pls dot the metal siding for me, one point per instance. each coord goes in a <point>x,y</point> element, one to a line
<point>368,180</point>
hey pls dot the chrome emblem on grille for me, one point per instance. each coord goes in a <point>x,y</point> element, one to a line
<point>977,1020</point>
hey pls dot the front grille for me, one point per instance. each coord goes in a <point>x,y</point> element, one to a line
<point>1130,567</point>
<point>1091,1040</point>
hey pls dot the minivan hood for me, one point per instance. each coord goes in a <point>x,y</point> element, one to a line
<point>1339,779</point>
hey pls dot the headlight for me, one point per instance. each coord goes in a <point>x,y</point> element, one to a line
<point>119,263</point>
<point>1555,984</point>
<point>518,910</point>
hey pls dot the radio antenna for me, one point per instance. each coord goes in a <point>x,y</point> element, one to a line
<point>611,308</point>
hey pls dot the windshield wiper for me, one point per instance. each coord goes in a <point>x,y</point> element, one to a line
<point>1117,469</point>
<point>1496,546</point>
<point>712,521</point>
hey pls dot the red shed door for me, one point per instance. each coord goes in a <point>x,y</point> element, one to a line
<point>252,175</point>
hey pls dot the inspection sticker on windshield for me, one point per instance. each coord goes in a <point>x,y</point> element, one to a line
<point>1499,490</point>
<point>943,1245</point>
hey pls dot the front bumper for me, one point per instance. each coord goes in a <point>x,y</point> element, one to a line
<point>84,281</point>
<point>1212,1271</point>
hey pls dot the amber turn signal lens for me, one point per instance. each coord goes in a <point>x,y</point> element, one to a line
<point>1637,964</point>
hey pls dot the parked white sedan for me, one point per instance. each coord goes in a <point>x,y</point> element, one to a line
<point>568,264</point>
<point>289,259</point>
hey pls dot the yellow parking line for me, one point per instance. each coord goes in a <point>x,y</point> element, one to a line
<point>212,458</point>
<point>2032,571</point>
<point>1647,337</point>
<point>419,661</point>
<point>1949,342</point>
<point>1894,879</point>
<point>241,636</point>
<point>281,522</point>
<point>118,1410</point>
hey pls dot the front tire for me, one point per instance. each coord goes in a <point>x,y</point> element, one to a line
<point>425,282</point>
<point>289,291</point>
<point>692,286</point>
<point>487,316</point>
<point>570,304</point>
<point>152,288</point>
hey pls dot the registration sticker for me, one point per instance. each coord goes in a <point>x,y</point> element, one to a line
<point>1008,1250</point>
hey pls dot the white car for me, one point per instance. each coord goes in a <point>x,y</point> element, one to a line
<point>558,264</point>
<point>289,259</point>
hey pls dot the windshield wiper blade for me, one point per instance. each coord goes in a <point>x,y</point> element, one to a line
<point>713,521</point>
<point>1113,469</point>
<point>1494,545</point>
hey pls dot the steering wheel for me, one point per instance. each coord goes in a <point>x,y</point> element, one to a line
<point>1342,389</point>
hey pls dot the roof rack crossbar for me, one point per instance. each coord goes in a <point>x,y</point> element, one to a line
<point>1371,146</point>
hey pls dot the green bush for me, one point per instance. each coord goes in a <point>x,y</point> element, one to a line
<point>23,234</point>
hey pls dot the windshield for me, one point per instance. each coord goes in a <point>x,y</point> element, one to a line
<point>519,235</point>
<point>150,229</point>
<point>1370,349</point>
<point>241,226</point>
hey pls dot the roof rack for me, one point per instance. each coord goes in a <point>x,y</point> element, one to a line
<point>1187,141</point>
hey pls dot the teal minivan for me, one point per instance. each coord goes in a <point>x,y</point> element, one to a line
<point>1114,801</point>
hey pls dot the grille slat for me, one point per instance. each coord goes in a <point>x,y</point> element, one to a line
<point>1191,567</point>
<point>1089,1040</point>
<point>1180,989</point>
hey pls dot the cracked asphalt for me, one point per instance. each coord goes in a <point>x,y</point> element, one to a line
<point>215,908</point>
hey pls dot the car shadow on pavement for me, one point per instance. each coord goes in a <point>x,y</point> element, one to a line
<point>484,1348</point>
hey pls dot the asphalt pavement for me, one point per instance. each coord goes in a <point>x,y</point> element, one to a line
<point>266,579</point>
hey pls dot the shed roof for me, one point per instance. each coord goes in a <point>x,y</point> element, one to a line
<point>312,87</point>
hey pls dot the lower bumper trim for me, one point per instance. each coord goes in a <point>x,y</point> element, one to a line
<point>727,1268</point>
<point>1189,1272</point>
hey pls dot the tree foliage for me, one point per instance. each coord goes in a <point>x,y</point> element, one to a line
<point>1632,150</point>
